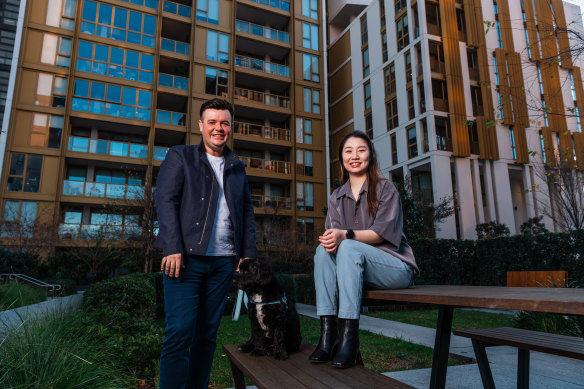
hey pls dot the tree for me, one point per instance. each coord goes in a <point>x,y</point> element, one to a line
<point>491,229</point>
<point>533,226</point>
<point>422,215</point>
<point>32,231</point>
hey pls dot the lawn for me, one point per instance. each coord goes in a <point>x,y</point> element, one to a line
<point>462,319</point>
<point>379,353</point>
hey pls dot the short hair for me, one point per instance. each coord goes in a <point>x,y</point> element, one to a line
<point>216,103</point>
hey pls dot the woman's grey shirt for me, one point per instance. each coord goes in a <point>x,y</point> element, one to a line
<point>346,213</point>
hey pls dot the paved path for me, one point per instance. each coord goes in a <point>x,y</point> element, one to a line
<point>546,371</point>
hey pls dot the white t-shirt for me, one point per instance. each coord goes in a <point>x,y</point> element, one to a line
<point>221,243</point>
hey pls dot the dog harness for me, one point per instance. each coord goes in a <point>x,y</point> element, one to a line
<point>283,300</point>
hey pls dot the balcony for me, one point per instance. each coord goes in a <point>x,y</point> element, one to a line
<point>266,165</point>
<point>174,46</point>
<point>275,202</point>
<point>97,231</point>
<point>440,105</point>
<point>443,143</point>
<point>434,29</point>
<point>261,131</point>
<point>266,32</point>
<point>173,81</point>
<point>284,5</point>
<point>105,147</point>
<point>171,117</point>
<point>473,74</point>
<point>177,9</point>
<point>102,190</point>
<point>261,66</point>
<point>437,66</point>
<point>160,153</point>
<point>261,97</point>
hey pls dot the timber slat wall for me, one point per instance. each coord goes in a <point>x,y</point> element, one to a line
<point>538,278</point>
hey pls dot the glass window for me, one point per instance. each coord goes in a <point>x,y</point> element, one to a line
<point>310,9</point>
<point>56,50</point>
<point>304,131</point>
<point>19,218</point>
<point>367,95</point>
<point>391,114</point>
<point>305,196</point>
<point>364,33</point>
<point>217,47</point>
<point>51,90</point>
<point>312,100</point>
<point>46,131</point>
<point>25,173</point>
<point>402,32</point>
<point>310,67</point>
<point>412,142</point>
<point>216,82</point>
<point>208,11</point>
<point>61,13</point>
<point>310,36</point>
<point>365,57</point>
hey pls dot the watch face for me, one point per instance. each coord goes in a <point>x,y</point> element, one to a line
<point>350,234</point>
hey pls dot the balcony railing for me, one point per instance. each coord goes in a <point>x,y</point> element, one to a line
<point>262,66</point>
<point>261,131</point>
<point>280,4</point>
<point>160,153</point>
<point>177,9</point>
<point>170,117</point>
<point>97,231</point>
<point>116,149</point>
<point>261,97</point>
<point>304,170</point>
<point>437,66</point>
<point>266,32</point>
<point>473,74</point>
<point>434,29</point>
<point>173,81</point>
<point>102,189</point>
<point>266,165</point>
<point>263,201</point>
<point>440,105</point>
<point>474,147</point>
<point>442,143</point>
<point>175,46</point>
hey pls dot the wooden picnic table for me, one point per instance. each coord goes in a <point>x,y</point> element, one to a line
<point>566,301</point>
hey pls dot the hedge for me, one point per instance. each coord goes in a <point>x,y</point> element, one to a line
<point>486,261</point>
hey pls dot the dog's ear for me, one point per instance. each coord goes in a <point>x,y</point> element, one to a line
<point>262,271</point>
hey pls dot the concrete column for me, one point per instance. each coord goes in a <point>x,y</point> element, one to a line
<point>442,186</point>
<point>479,206</point>
<point>528,192</point>
<point>489,192</point>
<point>465,195</point>
<point>503,197</point>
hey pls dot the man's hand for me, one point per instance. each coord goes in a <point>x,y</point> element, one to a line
<point>331,239</point>
<point>171,265</point>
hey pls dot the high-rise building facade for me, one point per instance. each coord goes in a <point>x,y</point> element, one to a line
<point>465,99</point>
<point>105,87</point>
<point>9,10</point>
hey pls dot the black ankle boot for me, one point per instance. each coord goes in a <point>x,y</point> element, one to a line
<point>348,354</point>
<point>329,340</point>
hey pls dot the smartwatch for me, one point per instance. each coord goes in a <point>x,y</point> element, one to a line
<point>350,234</point>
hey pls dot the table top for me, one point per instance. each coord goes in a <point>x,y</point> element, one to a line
<point>569,301</point>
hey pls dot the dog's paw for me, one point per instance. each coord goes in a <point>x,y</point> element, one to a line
<point>245,348</point>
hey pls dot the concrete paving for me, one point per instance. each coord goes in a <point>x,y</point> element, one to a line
<point>546,371</point>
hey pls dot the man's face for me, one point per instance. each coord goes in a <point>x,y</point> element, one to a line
<point>215,125</point>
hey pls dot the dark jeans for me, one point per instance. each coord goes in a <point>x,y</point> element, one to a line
<point>193,304</point>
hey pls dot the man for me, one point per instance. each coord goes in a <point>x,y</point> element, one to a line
<point>206,221</point>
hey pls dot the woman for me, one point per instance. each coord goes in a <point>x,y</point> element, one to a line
<point>363,245</point>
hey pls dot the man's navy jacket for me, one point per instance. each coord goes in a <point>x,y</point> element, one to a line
<point>186,198</point>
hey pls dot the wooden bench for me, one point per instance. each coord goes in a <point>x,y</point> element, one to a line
<point>297,372</point>
<point>525,341</point>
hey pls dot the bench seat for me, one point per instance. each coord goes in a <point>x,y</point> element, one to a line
<point>297,372</point>
<point>524,341</point>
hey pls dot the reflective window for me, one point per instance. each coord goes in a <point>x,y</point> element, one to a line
<point>216,82</point>
<point>19,219</point>
<point>310,9</point>
<point>312,100</point>
<point>115,62</point>
<point>46,131</point>
<point>146,3</point>
<point>100,98</point>
<point>304,131</point>
<point>208,11</point>
<point>310,68</point>
<point>56,50</point>
<point>305,196</point>
<point>117,23</point>
<point>25,173</point>
<point>51,91</point>
<point>310,36</point>
<point>217,47</point>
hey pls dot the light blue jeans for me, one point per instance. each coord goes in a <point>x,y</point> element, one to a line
<point>342,276</point>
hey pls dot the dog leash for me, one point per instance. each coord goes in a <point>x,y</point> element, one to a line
<point>283,300</point>
<point>241,298</point>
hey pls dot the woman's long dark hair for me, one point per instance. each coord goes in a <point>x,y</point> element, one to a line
<point>373,172</point>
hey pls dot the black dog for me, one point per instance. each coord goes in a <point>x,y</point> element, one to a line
<point>275,326</point>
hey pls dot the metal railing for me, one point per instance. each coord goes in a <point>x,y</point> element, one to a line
<point>113,148</point>
<point>266,165</point>
<point>261,66</point>
<point>174,46</point>
<point>262,31</point>
<point>440,105</point>
<point>172,81</point>
<point>437,66</point>
<point>280,4</point>
<point>96,231</point>
<point>261,131</point>
<point>101,189</point>
<point>177,9</point>
<point>14,276</point>
<point>261,97</point>
<point>264,201</point>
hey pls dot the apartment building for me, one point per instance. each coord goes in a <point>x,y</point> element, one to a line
<point>464,98</point>
<point>105,87</point>
<point>9,10</point>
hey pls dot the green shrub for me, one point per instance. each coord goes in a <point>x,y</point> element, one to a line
<point>57,352</point>
<point>298,287</point>
<point>133,294</point>
<point>491,229</point>
<point>14,295</point>
<point>23,263</point>
<point>547,322</point>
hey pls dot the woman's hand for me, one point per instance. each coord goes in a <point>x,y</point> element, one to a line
<point>331,239</point>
